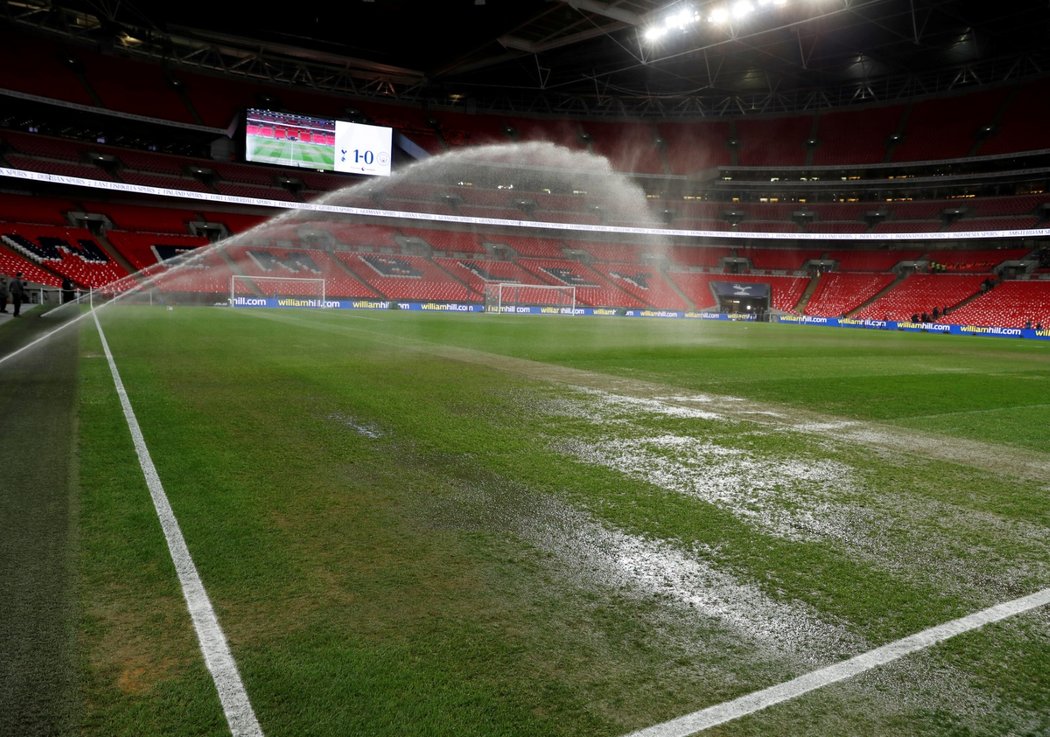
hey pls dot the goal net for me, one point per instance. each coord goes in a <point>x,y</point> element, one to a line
<point>286,291</point>
<point>507,297</point>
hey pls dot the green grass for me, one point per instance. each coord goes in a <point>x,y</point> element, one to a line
<point>296,153</point>
<point>477,525</point>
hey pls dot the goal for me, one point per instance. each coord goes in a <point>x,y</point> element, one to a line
<point>288,291</point>
<point>507,297</point>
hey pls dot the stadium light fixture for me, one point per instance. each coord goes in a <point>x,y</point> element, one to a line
<point>742,9</point>
<point>678,20</point>
<point>719,16</point>
<point>682,18</point>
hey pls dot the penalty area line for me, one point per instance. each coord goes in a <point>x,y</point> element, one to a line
<point>756,701</point>
<point>217,656</point>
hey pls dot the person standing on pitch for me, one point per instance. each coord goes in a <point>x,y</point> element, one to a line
<point>18,293</point>
<point>3,293</point>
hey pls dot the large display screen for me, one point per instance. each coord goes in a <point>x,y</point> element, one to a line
<point>308,142</point>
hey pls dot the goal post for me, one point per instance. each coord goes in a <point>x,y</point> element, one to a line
<point>310,291</point>
<point>508,296</point>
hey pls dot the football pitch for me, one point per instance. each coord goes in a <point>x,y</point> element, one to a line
<point>527,526</point>
<point>291,153</point>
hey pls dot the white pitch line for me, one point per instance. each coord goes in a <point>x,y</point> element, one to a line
<point>42,338</point>
<point>216,651</point>
<point>727,711</point>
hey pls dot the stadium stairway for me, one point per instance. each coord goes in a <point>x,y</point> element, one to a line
<point>803,301</point>
<point>877,296</point>
<point>965,301</point>
<point>114,253</point>
<point>690,304</point>
<point>454,277</point>
<point>345,269</point>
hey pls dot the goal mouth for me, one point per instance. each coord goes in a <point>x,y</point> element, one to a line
<point>277,291</point>
<point>514,297</point>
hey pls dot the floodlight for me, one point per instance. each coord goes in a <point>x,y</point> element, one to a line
<point>686,16</point>
<point>654,33</point>
<point>678,20</point>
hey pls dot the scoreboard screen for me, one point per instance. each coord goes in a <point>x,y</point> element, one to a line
<point>308,142</point>
<point>362,149</point>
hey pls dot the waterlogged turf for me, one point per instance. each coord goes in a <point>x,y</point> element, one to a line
<point>540,526</point>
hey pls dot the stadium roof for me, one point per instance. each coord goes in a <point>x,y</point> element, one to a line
<point>583,57</point>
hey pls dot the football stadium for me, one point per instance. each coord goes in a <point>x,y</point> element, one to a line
<point>557,368</point>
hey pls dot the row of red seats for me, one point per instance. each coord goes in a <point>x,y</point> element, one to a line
<point>450,279</point>
<point>144,219</point>
<point>46,154</point>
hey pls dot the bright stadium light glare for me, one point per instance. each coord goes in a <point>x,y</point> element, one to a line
<point>682,18</point>
<point>679,20</point>
<point>654,33</point>
<point>719,16</point>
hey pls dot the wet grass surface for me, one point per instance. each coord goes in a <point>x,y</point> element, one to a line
<point>425,525</point>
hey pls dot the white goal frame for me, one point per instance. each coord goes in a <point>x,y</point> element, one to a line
<point>499,294</point>
<point>258,280</point>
